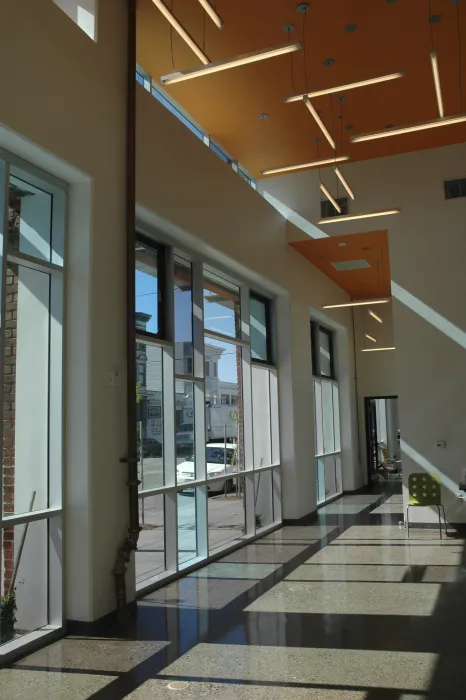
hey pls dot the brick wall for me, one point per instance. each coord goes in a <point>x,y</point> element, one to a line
<point>9,390</point>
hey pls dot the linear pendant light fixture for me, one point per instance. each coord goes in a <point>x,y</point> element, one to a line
<point>330,198</point>
<point>214,16</point>
<point>438,89</point>
<point>374,315</point>
<point>366,302</point>
<point>344,182</point>
<point>370,337</point>
<point>181,31</point>
<point>341,88</point>
<point>319,122</point>
<point>304,166</point>
<point>218,66</point>
<point>354,217</point>
<point>376,349</point>
<point>446,121</point>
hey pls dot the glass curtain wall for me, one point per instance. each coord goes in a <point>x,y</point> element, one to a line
<point>326,415</point>
<point>207,413</point>
<point>32,241</point>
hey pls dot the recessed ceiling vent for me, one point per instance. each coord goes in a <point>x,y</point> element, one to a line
<point>350,265</point>
<point>455,188</point>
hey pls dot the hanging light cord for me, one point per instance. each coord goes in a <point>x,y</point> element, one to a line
<point>432,43</point>
<point>171,39</point>
<point>460,60</point>
<point>304,49</point>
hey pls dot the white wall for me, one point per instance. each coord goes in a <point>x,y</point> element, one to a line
<point>60,87</point>
<point>187,193</point>
<point>63,109</point>
<point>427,243</point>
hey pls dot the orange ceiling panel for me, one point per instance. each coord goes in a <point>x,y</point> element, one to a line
<point>367,283</point>
<point>387,37</point>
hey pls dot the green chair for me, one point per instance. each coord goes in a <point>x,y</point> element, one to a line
<point>425,490</point>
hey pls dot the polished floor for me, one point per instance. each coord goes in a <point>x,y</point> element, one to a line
<point>345,608</point>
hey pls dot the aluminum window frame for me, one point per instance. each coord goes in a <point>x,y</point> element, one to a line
<point>171,489</point>
<point>54,514</point>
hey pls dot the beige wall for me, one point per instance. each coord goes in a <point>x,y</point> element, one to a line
<point>63,108</point>
<point>205,205</point>
<point>427,243</point>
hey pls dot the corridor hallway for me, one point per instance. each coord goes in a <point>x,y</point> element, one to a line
<point>344,608</point>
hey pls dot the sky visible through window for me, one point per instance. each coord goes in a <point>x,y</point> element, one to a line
<point>218,318</point>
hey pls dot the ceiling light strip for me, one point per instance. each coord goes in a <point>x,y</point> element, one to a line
<point>354,217</point>
<point>447,121</point>
<point>181,31</point>
<point>218,66</point>
<point>341,88</point>
<point>304,166</point>
<point>374,315</point>
<point>330,197</point>
<point>319,122</point>
<point>214,16</point>
<point>376,349</point>
<point>365,302</point>
<point>344,182</point>
<point>438,89</point>
<point>371,337</point>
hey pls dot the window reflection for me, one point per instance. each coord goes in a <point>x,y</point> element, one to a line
<point>227,514</point>
<point>187,529</point>
<point>184,432</point>
<point>224,414</point>
<point>259,329</point>
<point>29,219</point>
<point>221,306</point>
<point>183,299</point>
<point>149,405</point>
<point>150,557</point>
<point>147,289</point>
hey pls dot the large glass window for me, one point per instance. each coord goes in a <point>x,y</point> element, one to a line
<point>150,558</point>
<point>260,329</point>
<point>221,306</point>
<point>31,387</point>
<point>207,412</point>
<point>227,513</point>
<point>183,317</point>
<point>187,526</point>
<point>323,362</point>
<point>149,400</point>
<point>327,437</point>
<point>224,417</point>
<point>148,289</point>
<point>326,414</point>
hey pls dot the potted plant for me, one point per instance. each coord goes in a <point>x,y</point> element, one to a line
<point>7,616</point>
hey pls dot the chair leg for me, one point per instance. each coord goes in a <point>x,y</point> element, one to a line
<point>407,519</point>
<point>439,522</point>
<point>444,519</point>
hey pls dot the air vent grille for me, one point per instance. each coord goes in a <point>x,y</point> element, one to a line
<point>327,209</point>
<point>350,265</point>
<point>455,188</point>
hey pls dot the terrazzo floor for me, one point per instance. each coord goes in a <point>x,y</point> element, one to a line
<point>344,607</point>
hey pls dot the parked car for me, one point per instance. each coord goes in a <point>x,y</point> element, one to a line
<point>221,461</point>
